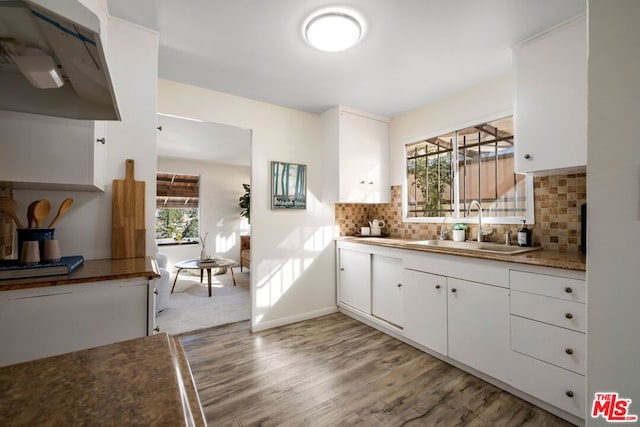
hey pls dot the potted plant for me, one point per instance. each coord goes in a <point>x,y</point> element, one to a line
<point>245,203</point>
<point>459,232</point>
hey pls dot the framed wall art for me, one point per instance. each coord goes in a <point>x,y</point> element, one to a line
<point>288,186</point>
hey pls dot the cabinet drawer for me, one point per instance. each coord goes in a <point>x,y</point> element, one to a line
<point>567,314</point>
<point>552,286</point>
<point>558,346</point>
<point>556,386</point>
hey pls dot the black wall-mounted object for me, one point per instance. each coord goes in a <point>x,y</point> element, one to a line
<point>583,232</point>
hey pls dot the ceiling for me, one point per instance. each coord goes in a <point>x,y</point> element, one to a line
<point>413,52</point>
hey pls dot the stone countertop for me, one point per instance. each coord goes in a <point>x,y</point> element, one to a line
<point>543,258</point>
<point>145,381</point>
<point>96,270</point>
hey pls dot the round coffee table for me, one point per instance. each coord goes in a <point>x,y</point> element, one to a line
<point>193,264</point>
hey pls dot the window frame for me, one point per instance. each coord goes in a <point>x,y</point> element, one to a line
<point>456,181</point>
<point>193,240</point>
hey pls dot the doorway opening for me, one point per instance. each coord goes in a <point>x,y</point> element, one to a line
<point>209,162</point>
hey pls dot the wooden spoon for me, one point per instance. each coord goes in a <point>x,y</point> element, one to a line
<point>8,206</point>
<point>30,218</point>
<point>64,207</point>
<point>41,211</point>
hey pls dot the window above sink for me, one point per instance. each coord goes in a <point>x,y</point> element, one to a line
<point>446,171</point>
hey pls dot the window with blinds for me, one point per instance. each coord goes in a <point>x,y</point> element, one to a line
<point>177,208</point>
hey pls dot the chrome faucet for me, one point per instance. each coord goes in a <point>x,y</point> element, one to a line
<point>477,203</point>
<point>443,232</point>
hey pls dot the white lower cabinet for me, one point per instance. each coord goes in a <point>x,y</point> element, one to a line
<point>425,309</point>
<point>556,386</point>
<point>478,321</point>
<point>548,313</point>
<point>47,321</point>
<point>387,289</point>
<point>521,325</point>
<point>354,279</point>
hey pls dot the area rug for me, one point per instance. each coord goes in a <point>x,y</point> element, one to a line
<point>191,309</point>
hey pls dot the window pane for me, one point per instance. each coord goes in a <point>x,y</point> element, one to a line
<point>485,156</point>
<point>177,208</point>
<point>429,190</point>
<point>177,225</point>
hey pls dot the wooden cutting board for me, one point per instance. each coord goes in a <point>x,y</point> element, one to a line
<point>128,233</point>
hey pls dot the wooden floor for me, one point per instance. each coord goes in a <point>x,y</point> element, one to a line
<point>335,371</point>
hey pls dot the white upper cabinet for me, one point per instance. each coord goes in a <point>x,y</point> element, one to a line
<point>551,100</point>
<point>52,153</point>
<point>356,157</point>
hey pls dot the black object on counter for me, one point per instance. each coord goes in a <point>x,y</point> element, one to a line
<point>524,235</point>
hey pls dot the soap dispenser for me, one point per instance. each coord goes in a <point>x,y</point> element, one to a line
<point>524,235</point>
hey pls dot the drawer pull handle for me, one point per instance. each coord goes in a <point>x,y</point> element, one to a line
<point>568,315</point>
<point>527,156</point>
<point>342,269</point>
<point>399,285</point>
<point>157,329</point>
<point>568,290</point>
<point>437,286</point>
<point>569,393</point>
<point>569,351</point>
<point>454,290</point>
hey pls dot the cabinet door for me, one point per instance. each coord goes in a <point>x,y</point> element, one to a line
<point>355,279</point>
<point>425,309</point>
<point>50,152</point>
<point>478,321</point>
<point>387,289</point>
<point>364,159</point>
<point>99,161</point>
<point>551,100</point>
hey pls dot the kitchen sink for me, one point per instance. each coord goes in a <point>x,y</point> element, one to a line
<point>473,246</point>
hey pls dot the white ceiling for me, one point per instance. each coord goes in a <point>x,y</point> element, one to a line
<point>413,53</point>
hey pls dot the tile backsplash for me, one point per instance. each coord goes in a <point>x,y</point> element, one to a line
<point>557,201</point>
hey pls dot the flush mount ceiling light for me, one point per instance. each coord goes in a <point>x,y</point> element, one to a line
<point>332,31</point>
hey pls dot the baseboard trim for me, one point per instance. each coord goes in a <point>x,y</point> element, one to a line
<point>293,319</point>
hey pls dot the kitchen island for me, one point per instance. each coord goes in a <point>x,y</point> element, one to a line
<point>144,381</point>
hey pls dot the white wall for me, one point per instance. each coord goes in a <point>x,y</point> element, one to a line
<point>472,105</point>
<point>86,229</point>
<point>220,189</point>
<point>613,194</point>
<point>292,255</point>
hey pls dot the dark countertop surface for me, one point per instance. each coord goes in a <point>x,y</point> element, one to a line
<point>95,270</point>
<point>145,381</point>
<point>543,257</point>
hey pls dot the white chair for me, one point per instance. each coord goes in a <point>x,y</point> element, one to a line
<point>164,283</point>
